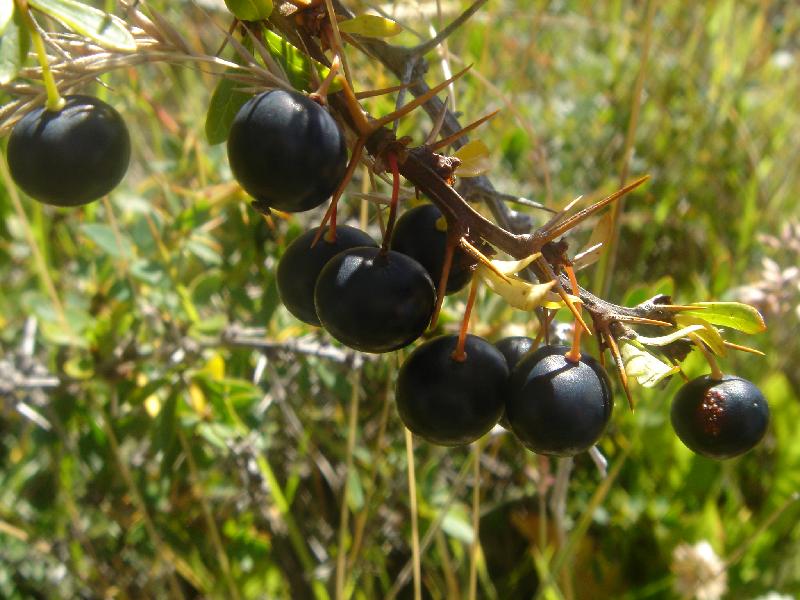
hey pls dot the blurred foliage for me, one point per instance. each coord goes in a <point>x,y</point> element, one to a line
<point>196,447</point>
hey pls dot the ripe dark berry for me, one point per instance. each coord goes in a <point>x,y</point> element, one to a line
<point>449,402</point>
<point>301,264</point>
<point>720,418</point>
<point>513,349</point>
<point>416,235</point>
<point>71,156</point>
<point>374,301</point>
<point>286,150</point>
<point>556,406</point>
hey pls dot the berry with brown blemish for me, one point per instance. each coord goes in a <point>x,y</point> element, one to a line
<point>720,418</point>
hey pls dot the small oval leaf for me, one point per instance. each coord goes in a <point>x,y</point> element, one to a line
<point>222,108</point>
<point>107,30</point>
<point>250,10</point>
<point>475,159</point>
<point>735,315</point>
<point>14,45</point>
<point>297,65</point>
<point>371,26</point>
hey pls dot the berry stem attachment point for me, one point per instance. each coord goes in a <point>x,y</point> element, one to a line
<point>322,90</point>
<point>54,100</point>
<point>574,355</point>
<point>330,214</point>
<point>459,354</point>
<point>391,158</point>
<point>716,372</point>
<point>441,288</point>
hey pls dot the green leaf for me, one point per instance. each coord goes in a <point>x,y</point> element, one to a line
<point>735,315</point>
<point>250,10</point>
<point>14,44</point>
<point>107,30</point>
<point>456,523</point>
<point>225,103</point>
<point>104,236</point>
<point>371,26</point>
<point>475,159</point>
<point>647,369</point>
<point>708,333</point>
<point>355,492</point>
<point>6,12</point>
<point>297,65</point>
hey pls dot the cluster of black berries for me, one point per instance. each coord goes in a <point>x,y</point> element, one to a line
<point>288,153</point>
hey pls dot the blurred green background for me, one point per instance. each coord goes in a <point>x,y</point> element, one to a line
<point>199,427</point>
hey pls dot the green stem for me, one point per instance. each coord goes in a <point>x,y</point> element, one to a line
<point>716,372</point>
<point>344,512</point>
<point>54,100</point>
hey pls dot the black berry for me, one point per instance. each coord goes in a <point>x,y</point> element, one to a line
<point>720,418</point>
<point>416,235</point>
<point>449,402</point>
<point>513,349</point>
<point>71,156</point>
<point>286,150</point>
<point>556,406</point>
<point>301,264</point>
<point>374,301</point>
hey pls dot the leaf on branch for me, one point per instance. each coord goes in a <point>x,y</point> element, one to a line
<point>668,339</point>
<point>708,333</point>
<point>475,159</point>
<point>250,10</point>
<point>107,30</point>
<point>512,267</point>
<point>735,315</point>
<point>6,12</point>
<point>517,292</point>
<point>371,26</point>
<point>646,368</point>
<point>225,102</point>
<point>14,44</point>
<point>297,65</point>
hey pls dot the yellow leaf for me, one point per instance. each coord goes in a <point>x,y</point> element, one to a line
<point>371,26</point>
<point>475,159</point>
<point>517,292</point>
<point>708,333</point>
<point>197,398</point>
<point>512,267</point>
<point>647,369</point>
<point>152,405</point>
<point>215,367</point>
